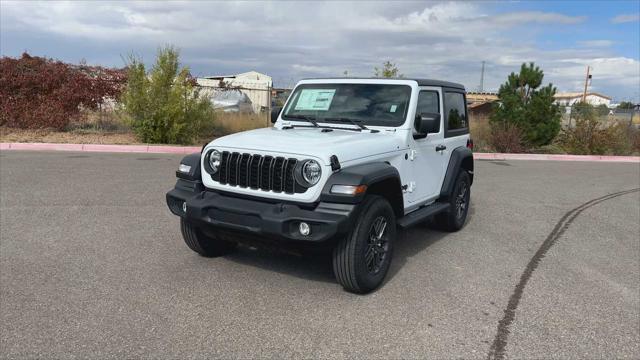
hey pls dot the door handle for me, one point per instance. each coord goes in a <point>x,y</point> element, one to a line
<point>441,147</point>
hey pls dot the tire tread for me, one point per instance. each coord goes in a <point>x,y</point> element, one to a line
<point>344,255</point>
<point>447,220</point>
<point>203,245</point>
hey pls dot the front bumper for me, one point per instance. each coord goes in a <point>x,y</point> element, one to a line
<point>211,210</point>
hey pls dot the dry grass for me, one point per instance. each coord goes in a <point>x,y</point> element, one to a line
<point>481,135</point>
<point>93,127</point>
<point>111,128</point>
<point>68,137</point>
<point>229,123</point>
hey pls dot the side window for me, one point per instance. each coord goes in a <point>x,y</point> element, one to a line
<point>455,110</point>
<point>428,102</point>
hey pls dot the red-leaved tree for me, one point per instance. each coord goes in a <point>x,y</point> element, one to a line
<point>38,93</point>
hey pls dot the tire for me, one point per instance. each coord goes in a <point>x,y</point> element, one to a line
<point>202,244</point>
<point>459,200</point>
<point>371,239</point>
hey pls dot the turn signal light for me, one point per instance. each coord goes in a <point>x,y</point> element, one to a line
<point>349,189</point>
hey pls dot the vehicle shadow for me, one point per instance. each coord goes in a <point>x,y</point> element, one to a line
<point>314,267</point>
<point>414,241</point>
<point>410,243</point>
<point>317,266</point>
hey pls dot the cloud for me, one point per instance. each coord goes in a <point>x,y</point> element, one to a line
<point>595,43</point>
<point>292,40</point>
<point>619,71</point>
<point>625,18</point>
<point>517,18</point>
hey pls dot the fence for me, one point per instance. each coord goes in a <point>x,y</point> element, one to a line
<point>605,115</point>
<point>241,99</point>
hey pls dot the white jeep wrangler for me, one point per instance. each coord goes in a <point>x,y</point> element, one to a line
<point>346,163</point>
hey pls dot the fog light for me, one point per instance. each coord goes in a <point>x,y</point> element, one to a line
<point>184,207</point>
<point>305,229</point>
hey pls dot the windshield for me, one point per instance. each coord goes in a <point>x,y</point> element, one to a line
<point>367,104</point>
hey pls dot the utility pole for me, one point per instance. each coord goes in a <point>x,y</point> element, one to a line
<point>482,78</point>
<point>269,89</point>
<point>586,83</point>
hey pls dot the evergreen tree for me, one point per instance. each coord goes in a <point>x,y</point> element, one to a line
<point>528,106</point>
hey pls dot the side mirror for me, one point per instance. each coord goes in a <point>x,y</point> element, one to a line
<point>427,123</point>
<point>275,112</point>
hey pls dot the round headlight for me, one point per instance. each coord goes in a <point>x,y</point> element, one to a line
<point>311,172</point>
<point>214,160</point>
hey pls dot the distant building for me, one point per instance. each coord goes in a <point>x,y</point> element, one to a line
<point>480,105</point>
<point>481,97</point>
<point>256,87</point>
<point>570,98</point>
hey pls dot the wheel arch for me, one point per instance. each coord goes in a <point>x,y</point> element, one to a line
<point>461,158</point>
<point>381,179</point>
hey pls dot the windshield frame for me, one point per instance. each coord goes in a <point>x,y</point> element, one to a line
<point>319,83</point>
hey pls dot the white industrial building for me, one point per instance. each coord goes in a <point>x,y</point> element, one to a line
<point>256,87</point>
<point>592,98</point>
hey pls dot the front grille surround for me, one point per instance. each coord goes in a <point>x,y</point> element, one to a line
<point>259,172</point>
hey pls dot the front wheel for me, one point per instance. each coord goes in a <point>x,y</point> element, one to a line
<point>362,259</point>
<point>202,244</point>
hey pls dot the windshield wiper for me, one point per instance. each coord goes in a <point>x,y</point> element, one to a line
<point>303,117</point>
<point>357,123</point>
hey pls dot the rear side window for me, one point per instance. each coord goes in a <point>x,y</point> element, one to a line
<point>428,102</point>
<point>455,111</point>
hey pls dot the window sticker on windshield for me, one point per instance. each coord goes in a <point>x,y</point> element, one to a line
<point>393,108</point>
<point>315,99</point>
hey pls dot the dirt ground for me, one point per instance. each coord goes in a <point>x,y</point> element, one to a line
<point>8,135</point>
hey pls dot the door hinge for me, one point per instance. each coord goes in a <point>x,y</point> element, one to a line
<point>413,154</point>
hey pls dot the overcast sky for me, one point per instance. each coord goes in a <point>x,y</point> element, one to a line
<point>293,40</point>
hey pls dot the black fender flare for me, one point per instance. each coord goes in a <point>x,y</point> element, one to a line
<point>192,160</point>
<point>461,157</point>
<point>365,174</point>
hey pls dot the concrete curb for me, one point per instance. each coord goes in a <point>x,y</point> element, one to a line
<point>168,149</point>
<point>556,157</point>
<point>155,149</point>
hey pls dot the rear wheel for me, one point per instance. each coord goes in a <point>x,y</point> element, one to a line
<point>204,245</point>
<point>454,218</point>
<point>362,259</point>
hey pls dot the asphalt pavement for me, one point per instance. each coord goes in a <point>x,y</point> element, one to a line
<point>92,265</point>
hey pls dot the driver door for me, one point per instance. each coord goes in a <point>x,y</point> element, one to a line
<point>427,161</point>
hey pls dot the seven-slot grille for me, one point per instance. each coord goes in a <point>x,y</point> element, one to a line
<point>259,172</point>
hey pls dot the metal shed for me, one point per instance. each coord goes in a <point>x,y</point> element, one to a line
<point>255,85</point>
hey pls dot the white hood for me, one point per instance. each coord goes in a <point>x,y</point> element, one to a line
<point>347,145</point>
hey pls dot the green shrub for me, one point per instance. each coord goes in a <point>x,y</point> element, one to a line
<point>163,105</point>
<point>593,137</point>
